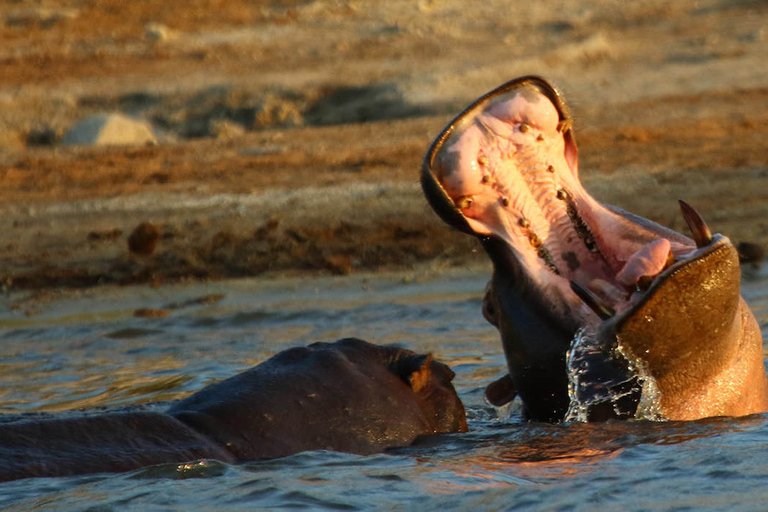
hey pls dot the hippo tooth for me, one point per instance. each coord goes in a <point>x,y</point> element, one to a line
<point>701,233</point>
<point>608,291</point>
<point>595,303</point>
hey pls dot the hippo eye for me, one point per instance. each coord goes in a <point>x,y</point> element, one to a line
<point>465,202</point>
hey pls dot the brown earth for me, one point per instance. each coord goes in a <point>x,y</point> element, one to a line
<point>291,133</point>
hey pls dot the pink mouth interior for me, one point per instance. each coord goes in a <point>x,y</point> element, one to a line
<point>511,167</point>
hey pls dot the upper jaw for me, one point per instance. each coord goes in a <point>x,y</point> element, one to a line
<point>437,196</point>
<point>506,171</point>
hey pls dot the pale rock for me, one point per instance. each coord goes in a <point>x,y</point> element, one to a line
<point>110,130</point>
<point>159,33</point>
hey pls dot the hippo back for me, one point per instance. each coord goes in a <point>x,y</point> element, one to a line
<point>345,396</point>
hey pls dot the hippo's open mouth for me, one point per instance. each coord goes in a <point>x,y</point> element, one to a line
<point>506,171</point>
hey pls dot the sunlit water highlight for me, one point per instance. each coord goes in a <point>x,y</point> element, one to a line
<point>87,350</point>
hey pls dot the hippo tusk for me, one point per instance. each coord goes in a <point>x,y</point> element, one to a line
<point>699,229</point>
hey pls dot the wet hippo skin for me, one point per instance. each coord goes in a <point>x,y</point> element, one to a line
<point>602,313</point>
<point>348,396</point>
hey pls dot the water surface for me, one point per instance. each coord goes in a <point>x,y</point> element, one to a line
<point>87,349</point>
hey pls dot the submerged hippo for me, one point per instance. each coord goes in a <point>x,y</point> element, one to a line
<point>645,321</point>
<point>347,396</point>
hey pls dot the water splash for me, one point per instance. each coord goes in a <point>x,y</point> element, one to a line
<point>649,407</point>
<point>604,379</point>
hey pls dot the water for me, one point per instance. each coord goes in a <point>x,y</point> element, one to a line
<point>87,350</point>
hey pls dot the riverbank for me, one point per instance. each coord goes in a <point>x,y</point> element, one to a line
<point>290,134</point>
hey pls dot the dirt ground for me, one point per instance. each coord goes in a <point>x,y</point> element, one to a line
<point>291,133</point>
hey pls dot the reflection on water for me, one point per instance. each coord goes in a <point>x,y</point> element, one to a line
<point>87,349</point>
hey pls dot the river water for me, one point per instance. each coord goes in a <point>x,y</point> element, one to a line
<point>86,349</point>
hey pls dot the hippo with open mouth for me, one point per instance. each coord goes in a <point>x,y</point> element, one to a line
<point>349,396</point>
<point>602,313</point>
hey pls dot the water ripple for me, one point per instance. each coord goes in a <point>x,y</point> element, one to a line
<point>66,358</point>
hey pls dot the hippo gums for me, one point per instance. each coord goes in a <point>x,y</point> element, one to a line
<point>602,313</point>
<point>348,396</point>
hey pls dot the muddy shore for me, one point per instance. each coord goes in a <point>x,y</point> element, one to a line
<point>290,134</point>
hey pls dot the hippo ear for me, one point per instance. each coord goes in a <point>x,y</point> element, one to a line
<point>500,392</point>
<point>413,369</point>
<point>419,378</point>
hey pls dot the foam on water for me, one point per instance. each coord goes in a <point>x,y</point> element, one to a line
<point>649,406</point>
<point>591,380</point>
